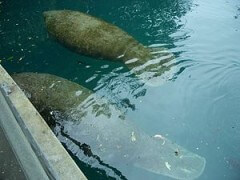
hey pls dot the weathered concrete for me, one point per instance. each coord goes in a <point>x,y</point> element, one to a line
<point>54,153</point>
<point>9,166</point>
<point>30,165</point>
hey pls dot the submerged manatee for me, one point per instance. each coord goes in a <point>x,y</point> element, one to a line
<point>117,141</point>
<point>94,37</point>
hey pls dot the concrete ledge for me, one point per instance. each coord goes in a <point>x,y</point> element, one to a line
<point>29,166</point>
<point>39,134</point>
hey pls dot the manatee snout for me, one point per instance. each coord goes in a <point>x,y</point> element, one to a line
<point>49,14</point>
<point>46,14</point>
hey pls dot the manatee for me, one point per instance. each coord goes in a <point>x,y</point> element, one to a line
<point>118,142</point>
<point>94,37</point>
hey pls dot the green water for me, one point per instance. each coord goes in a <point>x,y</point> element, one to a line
<point>198,108</point>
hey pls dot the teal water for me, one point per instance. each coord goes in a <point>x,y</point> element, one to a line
<point>198,108</point>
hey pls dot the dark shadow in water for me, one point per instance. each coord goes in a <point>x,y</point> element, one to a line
<point>87,152</point>
<point>91,170</point>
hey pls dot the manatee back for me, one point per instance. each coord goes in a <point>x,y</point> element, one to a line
<point>92,36</point>
<point>51,92</point>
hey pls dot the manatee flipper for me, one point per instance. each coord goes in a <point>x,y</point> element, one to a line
<point>117,141</point>
<point>158,70</point>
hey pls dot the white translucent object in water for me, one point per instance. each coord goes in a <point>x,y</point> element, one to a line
<point>113,139</point>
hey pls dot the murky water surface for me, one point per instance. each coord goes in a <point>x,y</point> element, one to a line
<point>197,107</point>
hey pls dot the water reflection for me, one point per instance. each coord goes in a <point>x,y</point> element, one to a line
<point>156,19</point>
<point>151,22</point>
<point>29,47</point>
<point>154,23</point>
<point>108,139</point>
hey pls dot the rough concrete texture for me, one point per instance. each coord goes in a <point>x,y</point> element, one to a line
<point>54,152</point>
<point>29,163</point>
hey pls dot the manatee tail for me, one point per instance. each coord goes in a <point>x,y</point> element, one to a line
<point>169,159</point>
<point>157,70</point>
